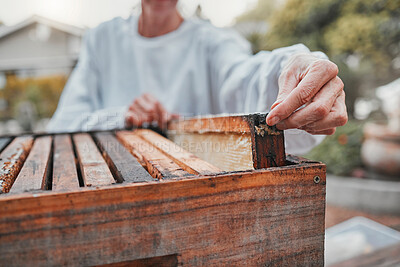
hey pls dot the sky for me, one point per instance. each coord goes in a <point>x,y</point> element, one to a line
<point>89,13</point>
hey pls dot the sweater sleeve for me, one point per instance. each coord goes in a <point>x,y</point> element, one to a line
<point>245,83</point>
<point>79,108</point>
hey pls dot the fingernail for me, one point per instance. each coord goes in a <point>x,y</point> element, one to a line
<point>273,121</point>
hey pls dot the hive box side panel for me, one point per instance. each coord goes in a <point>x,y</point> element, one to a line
<point>229,152</point>
<point>260,218</point>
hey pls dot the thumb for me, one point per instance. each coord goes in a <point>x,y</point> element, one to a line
<point>287,82</point>
<point>277,102</point>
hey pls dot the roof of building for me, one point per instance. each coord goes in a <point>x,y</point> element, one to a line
<point>73,30</point>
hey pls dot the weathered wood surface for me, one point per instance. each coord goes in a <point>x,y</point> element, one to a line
<point>11,160</point>
<point>228,152</point>
<point>65,176</point>
<point>213,124</point>
<point>388,256</point>
<point>271,217</point>
<point>34,173</point>
<point>94,169</point>
<point>267,147</point>
<point>157,163</point>
<point>186,160</point>
<point>268,144</point>
<point>125,167</point>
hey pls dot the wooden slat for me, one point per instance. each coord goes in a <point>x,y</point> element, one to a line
<point>94,169</point>
<point>4,141</point>
<point>267,147</point>
<point>229,152</point>
<point>33,174</point>
<point>213,124</point>
<point>124,166</point>
<point>65,176</point>
<point>158,165</point>
<point>186,160</point>
<point>271,217</point>
<point>268,144</point>
<point>11,160</point>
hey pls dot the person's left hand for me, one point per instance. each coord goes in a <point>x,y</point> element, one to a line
<point>313,83</point>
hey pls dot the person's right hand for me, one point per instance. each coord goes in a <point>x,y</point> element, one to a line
<point>310,97</point>
<point>147,109</point>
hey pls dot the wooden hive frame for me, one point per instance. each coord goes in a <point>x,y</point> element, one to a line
<point>136,198</point>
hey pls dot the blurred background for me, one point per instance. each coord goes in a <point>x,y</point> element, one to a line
<point>40,42</point>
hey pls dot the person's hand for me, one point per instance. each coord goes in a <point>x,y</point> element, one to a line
<point>313,83</point>
<point>147,109</point>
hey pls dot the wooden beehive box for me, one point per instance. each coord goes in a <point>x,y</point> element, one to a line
<point>136,198</point>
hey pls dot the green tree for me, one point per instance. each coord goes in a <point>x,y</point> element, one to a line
<point>368,32</point>
<point>42,92</point>
<point>370,29</point>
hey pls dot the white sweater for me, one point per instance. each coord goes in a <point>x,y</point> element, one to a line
<point>195,70</point>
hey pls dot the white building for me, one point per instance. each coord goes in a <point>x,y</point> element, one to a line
<point>38,46</point>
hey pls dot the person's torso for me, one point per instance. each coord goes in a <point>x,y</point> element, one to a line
<point>173,67</point>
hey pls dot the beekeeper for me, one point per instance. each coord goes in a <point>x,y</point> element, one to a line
<point>151,67</point>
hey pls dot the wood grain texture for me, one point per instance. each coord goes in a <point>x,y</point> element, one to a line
<point>268,144</point>
<point>94,169</point>
<point>213,124</point>
<point>65,176</point>
<point>124,166</point>
<point>11,160</point>
<point>34,173</point>
<point>186,160</point>
<point>259,218</point>
<point>228,152</point>
<point>158,164</point>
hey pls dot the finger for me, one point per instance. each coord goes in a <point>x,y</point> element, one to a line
<point>337,117</point>
<point>139,116</point>
<point>324,132</point>
<point>287,82</point>
<point>136,102</point>
<point>319,107</point>
<point>149,97</point>
<point>164,115</point>
<point>289,78</point>
<point>133,120</point>
<point>154,109</point>
<point>175,116</point>
<point>161,115</point>
<point>317,75</point>
<point>145,104</point>
<point>128,119</point>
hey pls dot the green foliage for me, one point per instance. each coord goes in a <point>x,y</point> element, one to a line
<point>301,21</point>
<point>42,92</point>
<point>368,30</point>
<point>256,41</point>
<point>341,151</point>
